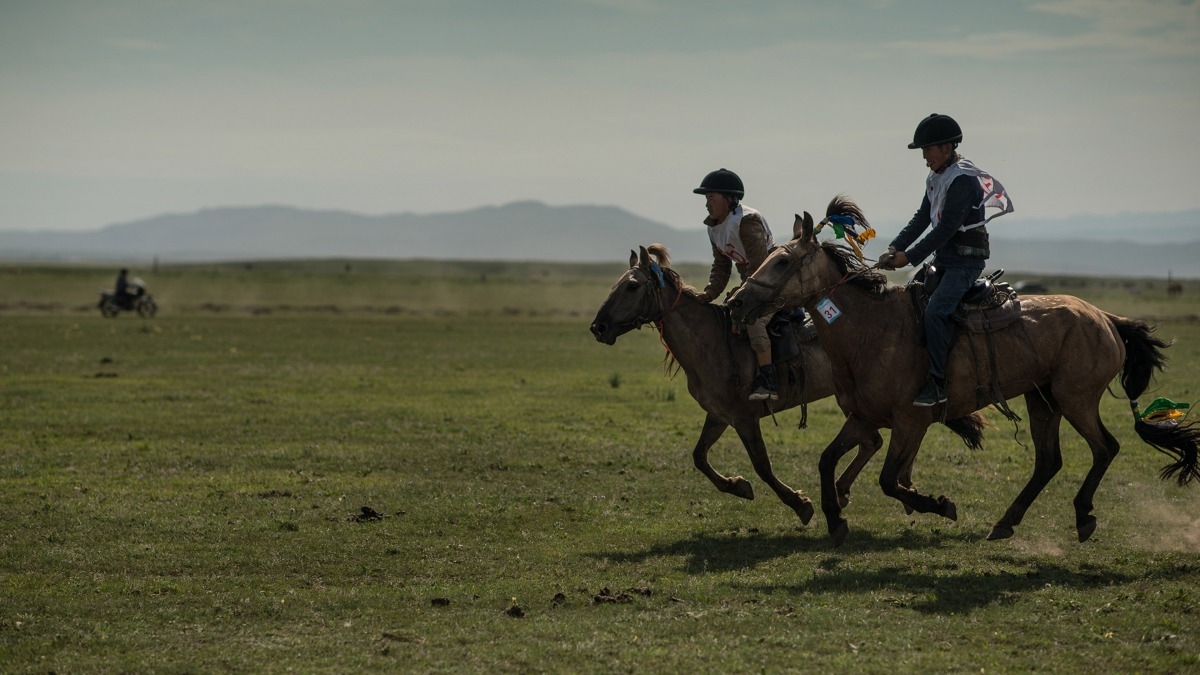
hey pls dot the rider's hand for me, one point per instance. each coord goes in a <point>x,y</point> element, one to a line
<point>893,260</point>
<point>703,297</point>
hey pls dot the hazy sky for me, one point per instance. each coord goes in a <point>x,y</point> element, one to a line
<point>116,110</point>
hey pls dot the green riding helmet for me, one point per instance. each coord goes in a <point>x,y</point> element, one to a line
<point>936,130</point>
<point>723,181</point>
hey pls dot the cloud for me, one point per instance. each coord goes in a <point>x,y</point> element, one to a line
<point>1146,27</point>
<point>1113,30</point>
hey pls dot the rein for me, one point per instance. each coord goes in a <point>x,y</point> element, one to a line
<point>794,262</point>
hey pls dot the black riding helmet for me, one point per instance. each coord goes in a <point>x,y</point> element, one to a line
<point>936,130</point>
<point>723,181</point>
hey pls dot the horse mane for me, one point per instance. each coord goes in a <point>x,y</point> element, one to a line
<point>864,276</point>
<point>847,262</point>
<point>842,205</point>
<point>660,253</point>
<point>663,256</point>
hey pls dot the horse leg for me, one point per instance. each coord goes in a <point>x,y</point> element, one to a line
<point>904,479</point>
<point>1044,421</point>
<point>737,486</point>
<point>751,435</point>
<point>866,451</point>
<point>852,433</point>
<point>902,450</point>
<point>1104,449</point>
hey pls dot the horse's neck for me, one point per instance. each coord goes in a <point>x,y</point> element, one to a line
<point>695,333</point>
<point>865,323</point>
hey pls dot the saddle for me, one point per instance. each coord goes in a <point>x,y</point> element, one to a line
<point>987,306</point>
<point>787,329</point>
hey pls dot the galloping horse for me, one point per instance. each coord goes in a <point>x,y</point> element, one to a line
<point>1061,354</point>
<point>719,370</point>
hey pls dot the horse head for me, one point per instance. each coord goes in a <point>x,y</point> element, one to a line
<point>637,297</point>
<point>787,277</point>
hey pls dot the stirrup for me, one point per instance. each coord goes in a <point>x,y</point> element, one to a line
<point>932,394</point>
<point>763,390</point>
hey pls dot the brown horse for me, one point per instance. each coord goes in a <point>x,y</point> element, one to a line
<point>1061,354</point>
<point>720,367</point>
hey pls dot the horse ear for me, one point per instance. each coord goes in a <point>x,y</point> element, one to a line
<point>798,226</point>
<point>808,225</point>
<point>645,257</point>
<point>632,258</point>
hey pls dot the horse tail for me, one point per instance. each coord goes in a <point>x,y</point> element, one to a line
<point>1143,356</point>
<point>969,429</point>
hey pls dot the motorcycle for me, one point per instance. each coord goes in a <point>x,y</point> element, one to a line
<point>136,299</point>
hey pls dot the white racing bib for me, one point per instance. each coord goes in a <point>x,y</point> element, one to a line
<point>994,194</point>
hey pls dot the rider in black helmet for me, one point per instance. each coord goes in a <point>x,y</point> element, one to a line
<point>956,192</point>
<point>739,236</point>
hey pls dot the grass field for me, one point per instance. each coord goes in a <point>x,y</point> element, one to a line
<point>433,467</point>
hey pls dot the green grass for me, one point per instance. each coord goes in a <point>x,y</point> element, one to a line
<point>185,495</point>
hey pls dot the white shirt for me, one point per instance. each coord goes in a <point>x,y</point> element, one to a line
<point>994,195</point>
<point>726,237</point>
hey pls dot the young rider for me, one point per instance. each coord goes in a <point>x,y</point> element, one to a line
<point>739,236</point>
<point>956,192</point>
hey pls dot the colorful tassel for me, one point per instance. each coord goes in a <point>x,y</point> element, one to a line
<point>843,228</point>
<point>1160,412</point>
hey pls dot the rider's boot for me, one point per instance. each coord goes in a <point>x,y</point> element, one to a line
<point>932,394</point>
<point>764,387</point>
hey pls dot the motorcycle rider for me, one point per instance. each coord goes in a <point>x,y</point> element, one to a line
<point>121,291</point>
<point>127,290</point>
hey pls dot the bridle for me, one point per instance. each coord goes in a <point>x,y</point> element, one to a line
<point>651,303</point>
<point>795,260</point>
<point>795,266</point>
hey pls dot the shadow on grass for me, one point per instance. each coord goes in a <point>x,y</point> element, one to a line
<point>731,551</point>
<point>947,589</point>
<point>943,585</point>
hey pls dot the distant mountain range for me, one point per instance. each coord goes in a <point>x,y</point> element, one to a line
<point>1121,245</point>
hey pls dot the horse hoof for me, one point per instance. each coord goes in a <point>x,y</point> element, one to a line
<point>843,500</point>
<point>805,510</point>
<point>740,487</point>
<point>908,510</point>
<point>948,509</point>
<point>999,532</point>
<point>1087,528</point>
<point>838,534</point>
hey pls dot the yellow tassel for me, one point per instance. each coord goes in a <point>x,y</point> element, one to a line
<point>854,246</point>
<point>1163,416</point>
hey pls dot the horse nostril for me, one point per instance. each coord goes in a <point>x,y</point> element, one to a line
<point>597,329</point>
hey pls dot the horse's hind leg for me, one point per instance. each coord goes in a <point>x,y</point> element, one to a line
<point>866,451</point>
<point>737,486</point>
<point>1104,449</point>
<point>751,435</point>
<point>1044,420</point>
